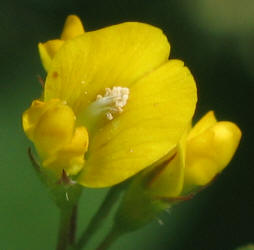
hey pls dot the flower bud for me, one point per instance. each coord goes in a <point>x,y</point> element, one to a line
<point>202,153</point>
<point>51,126</point>
<point>210,147</point>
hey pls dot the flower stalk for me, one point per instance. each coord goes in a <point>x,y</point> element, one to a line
<point>111,237</point>
<point>67,228</point>
<point>102,213</point>
<point>66,197</point>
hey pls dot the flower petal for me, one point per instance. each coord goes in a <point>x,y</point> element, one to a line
<point>210,152</point>
<point>169,181</point>
<point>54,128</point>
<point>227,136</point>
<point>31,117</point>
<point>117,55</point>
<point>48,50</point>
<point>207,121</point>
<point>71,156</point>
<point>159,108</point>
<point>73,27</point>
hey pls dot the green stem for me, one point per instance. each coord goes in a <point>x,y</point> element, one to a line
<point>67,227</point>
<point>111,237</point>
<point>73,225</point>
<point>100,215</point>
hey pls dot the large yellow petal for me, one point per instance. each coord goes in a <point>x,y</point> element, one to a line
<point>114,56</point>
<point>160,107</point>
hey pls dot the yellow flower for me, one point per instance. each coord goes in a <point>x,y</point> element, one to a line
<point>119,85</point>
<point>202,154</point>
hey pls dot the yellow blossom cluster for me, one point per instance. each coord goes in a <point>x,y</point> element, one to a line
<point>113,104</point>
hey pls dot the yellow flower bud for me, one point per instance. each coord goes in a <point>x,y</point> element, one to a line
<point>201,154</point>
<point>210,147</point>
<point>51,126</point>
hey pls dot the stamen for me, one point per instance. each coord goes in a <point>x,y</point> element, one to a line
<point>109,116</point>
<point>105,106</point>
<point>115,98</point>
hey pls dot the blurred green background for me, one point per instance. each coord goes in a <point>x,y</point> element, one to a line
<point>215,39</point>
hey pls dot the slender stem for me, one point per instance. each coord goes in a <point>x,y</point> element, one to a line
<point>111,237</point>
<point>100,215</point>
<point>73,224</point>
<point>67,228</point>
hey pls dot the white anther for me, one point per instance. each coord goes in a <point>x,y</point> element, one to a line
<point>120,96</point>
<point>99,97</point>
<point>115,98</point>
<point>109,116</point>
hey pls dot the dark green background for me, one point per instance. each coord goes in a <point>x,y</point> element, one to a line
<point>214,38</point>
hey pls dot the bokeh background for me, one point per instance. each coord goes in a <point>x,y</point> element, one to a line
<point>215,39</point>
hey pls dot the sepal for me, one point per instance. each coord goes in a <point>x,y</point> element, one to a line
<point>64,191</point>
<point>137,208</point>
